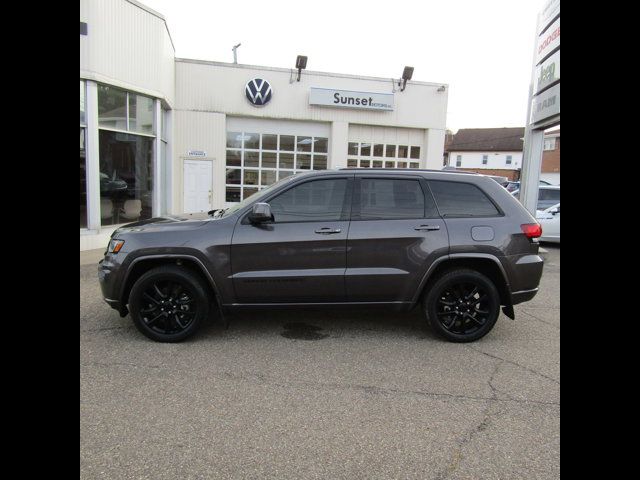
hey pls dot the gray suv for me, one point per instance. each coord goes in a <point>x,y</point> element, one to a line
<point>456,244</point>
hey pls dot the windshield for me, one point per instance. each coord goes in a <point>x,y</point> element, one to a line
<point>256,197</point>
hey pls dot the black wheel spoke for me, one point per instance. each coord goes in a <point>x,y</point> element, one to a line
<point>149,322</point>
<point>463,308</point>
<point>170,305</point>
<point>159,292</point>
<point>150,298</point>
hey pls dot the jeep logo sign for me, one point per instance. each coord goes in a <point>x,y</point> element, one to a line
<point>330,97</point>
<point>258,92</point>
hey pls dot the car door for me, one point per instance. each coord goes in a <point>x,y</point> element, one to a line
<point>300,257</point>
<point>394,236</point>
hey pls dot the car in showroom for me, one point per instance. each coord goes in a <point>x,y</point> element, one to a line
<point>549,220</point>
<point>548,196</point>
<point>456,245</point>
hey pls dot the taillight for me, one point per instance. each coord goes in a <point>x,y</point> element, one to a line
<point>531,230</point>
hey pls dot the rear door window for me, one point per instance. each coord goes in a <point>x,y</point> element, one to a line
<point>457,199</point>
<point>389,198</point>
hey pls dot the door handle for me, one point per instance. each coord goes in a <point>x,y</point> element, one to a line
<point>327,230</point>
<point>428,228</point>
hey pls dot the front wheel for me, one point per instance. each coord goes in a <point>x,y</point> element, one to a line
<point>168,303</point>
<point>462,305</point>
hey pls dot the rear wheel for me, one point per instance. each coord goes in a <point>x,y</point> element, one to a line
<point>462,305</point>
<point>168,303</point>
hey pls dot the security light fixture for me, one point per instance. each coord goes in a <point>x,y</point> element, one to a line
<point>441,88</point>
<point>235,57</point>
<point>301,64</point>
<point>407,73</point>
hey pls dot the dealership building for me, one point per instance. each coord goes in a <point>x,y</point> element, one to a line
<point>165,135</point>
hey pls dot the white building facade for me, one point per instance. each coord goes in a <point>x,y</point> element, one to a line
<point>508,160</point>
<point>163,135</point>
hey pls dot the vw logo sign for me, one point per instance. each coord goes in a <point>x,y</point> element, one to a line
<point>258,92</point>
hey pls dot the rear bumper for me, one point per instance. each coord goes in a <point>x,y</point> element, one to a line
<point>523,296</point>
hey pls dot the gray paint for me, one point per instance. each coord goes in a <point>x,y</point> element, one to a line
<point>368,261</point>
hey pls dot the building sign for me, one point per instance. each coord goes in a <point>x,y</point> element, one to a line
<point>546,104</point>
<point>547,72</point>
<point>548,41</point>
<point>196,153</point>
<point>550,11</point>
<point>258,92</point>
<point>331,97</point>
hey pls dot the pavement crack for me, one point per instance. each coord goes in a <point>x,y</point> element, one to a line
<point>540,320</point>
<point>372,389</point>
<point>457,454</point>
<point>516,364</point>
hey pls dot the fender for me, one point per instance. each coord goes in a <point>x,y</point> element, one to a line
<point>165,256</point>
<point>508,310</point>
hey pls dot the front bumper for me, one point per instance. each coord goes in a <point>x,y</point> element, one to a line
<point>109,273</point>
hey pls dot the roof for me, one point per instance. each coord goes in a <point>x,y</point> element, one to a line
<point>488,140</point>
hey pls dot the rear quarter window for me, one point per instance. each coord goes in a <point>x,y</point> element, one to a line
<point>457,199</point>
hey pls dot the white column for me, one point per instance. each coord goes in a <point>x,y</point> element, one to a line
<point>158,187</point>
<point>530,173</point>
<point>92,158</point>
<point>338,145</point>
<point>168,166</point>
<point>433,149</point>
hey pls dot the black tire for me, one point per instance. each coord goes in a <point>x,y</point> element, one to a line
<point>168,303</point>
<point>456,311</point>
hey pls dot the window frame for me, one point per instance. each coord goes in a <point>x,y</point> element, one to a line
<point>356,207</point>
<point>346,205</point>
<point>450,216</point>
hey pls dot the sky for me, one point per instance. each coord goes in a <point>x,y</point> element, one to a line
<point>483,49</point>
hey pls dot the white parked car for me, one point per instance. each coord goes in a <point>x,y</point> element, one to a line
<point>549,219</point>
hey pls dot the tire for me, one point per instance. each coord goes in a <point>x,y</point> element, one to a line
<point>456,311</point>
<point>168,303</point>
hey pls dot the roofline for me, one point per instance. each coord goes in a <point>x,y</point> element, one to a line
<point>392,170</point>
<point>155,14</point>
<point>312,72</point>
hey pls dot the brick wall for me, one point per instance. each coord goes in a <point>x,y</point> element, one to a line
<point>551,159</point>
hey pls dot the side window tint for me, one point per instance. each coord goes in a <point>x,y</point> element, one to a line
<point>315,201</point>
<point>461,199</point>
<point>392,199</point>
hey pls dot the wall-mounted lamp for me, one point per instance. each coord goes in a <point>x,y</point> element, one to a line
<point>407,73</point>
<point>235,56</point>
<point>441,88</point>
<point>301,64</point>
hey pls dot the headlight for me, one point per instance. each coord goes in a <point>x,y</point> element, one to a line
<point>115,246</point>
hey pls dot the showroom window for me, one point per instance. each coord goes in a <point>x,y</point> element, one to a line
<point>385,155</point>
<point>255,160</point>
<point>83,156</point>
<point>126,143</point>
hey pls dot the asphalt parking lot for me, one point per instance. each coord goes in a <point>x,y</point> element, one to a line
<point>322,394</point>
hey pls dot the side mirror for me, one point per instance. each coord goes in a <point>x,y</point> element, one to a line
<point>554,211</point>
<point>260,213</point>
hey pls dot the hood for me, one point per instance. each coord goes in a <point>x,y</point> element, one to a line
<point>167,222</point>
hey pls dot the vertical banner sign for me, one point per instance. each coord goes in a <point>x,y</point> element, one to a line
<point>543,109</point>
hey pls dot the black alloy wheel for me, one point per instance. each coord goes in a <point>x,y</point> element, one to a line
<point>462,305</point>
<point>168,303</point>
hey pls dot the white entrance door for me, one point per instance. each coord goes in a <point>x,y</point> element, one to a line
<point>197,185</point>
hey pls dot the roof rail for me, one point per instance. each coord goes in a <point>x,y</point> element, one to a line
<point>408,170</point>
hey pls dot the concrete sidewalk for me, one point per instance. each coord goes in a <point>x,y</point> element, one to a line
<point>88,257</point>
